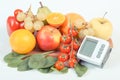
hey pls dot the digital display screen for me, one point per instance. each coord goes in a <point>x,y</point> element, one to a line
<point>88,47</point>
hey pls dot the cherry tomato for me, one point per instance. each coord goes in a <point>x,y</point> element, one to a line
<point>13,24</point>
<point>76,45</point>
<point>16,12</point>
<point>72,62</point>
<point>72,54</point>
<point>63,57</point>
<point>59,65</point>
<point>74,31</point>
<point>65,48</point>
<point>66,39</point>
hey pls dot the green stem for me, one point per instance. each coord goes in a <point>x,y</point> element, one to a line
<point>72,38</point>
<point>48,52</point>
<point>45,53</point>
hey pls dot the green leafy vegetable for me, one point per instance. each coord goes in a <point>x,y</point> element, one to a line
<point>50,61</point>
<point>23,66</point>
<point>42,62</point>
<point>13,59</point>
<point>64,70</point>
<point>80,69</point>
<point>45,70</point>
<point>38,61</point>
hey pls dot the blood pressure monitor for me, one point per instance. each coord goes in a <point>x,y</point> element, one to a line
<point>94,50</point>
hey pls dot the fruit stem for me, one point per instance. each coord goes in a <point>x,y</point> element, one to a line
<point>104,14</point>
<point>29,8</point>
<point>72,38</point>
<point>41,4</point>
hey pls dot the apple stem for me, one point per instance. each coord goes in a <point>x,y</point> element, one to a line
<point>105,14</point>
<point>41,4</point>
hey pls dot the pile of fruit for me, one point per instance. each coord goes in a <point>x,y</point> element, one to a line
<point>48,41</point>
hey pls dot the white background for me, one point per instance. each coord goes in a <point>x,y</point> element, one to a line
<point>88,9</point>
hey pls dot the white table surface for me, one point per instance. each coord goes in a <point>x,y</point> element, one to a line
<point>88,9</point>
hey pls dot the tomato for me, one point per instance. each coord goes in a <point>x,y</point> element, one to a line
<point>48,38</point>
<point>76,45</point>
<point>65,48</point>
<point>59,65</point>
<point>72,54</point>
<point>66,39</point>
<point>16,12</point>
<point>13,24</point>
<point>72,62</point>
<point>73,31</point>
<point>63,57</point>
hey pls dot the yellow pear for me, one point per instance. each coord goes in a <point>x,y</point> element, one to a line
<point>102,27</point>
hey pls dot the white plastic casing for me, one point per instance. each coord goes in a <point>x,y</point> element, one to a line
<point>99,49</point>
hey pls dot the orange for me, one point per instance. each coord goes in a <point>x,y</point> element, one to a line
<point>55,19</point>
<point>71,18</point>
<point>22,41</point>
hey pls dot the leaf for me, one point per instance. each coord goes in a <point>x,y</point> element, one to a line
<point>14,62</point>
<point>37,61</point>
<point>45,70</point>
<point>13,59</point>
<point>50,61</point>
<point>8,58</point>
<point>15,54</point>
<point>23,66</point>
<point>64,70</point>
<point>80,69</point>
<point>41,60</point>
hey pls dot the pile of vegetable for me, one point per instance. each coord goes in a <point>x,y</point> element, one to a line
<point>42,62</point>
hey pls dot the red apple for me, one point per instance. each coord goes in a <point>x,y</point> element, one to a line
<point>48,38</point>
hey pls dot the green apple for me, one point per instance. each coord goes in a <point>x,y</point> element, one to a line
<point>102,27</point>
